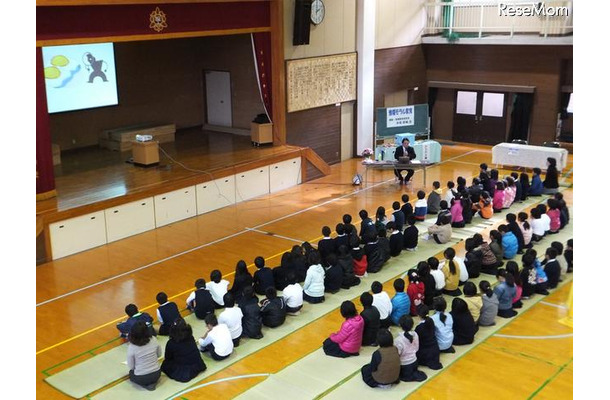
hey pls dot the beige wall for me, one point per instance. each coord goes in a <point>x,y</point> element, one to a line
<point>399,23</point>
<point>335,35</point>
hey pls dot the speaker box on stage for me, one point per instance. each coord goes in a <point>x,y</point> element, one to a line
<point>302,16</point>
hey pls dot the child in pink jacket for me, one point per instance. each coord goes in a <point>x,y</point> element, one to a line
<point>498,202</point>
<point>348,340</point>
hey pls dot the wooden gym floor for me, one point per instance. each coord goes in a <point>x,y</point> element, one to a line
<point>80,298</point>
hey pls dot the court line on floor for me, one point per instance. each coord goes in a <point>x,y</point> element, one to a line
<point>562,336</point>
<point>551,379</point>
<point>205,245</point>
<point>231,378</point>
<point>231,236</point>
<point>279,236</point>
<point>563,307</point>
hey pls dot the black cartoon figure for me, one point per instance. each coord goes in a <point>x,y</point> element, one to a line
<point>96,65</point>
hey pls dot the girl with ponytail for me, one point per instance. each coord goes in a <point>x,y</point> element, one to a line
<point>464,326</point>
<point>506,291</point>
<point>407,344</point>
<point>443,324</point>
<point>489,310</point>
<point>451,270</point>
<point>416,291</point>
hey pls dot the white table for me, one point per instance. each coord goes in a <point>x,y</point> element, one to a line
<point>395,165</point>
<point>524,155</point>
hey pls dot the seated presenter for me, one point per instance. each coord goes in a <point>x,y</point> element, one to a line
<point>404,151</point>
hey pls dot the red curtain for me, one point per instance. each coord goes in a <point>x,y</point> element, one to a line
<point>45,180</point>
<point>261,43</point>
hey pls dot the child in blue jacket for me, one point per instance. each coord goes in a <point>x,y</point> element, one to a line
<point>510,244</point>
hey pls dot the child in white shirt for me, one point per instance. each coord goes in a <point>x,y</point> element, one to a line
<point>383,303</point>
<point>437,273</point>
<point>217,340</point>
<point>231,316</point>
<point>293,296</point>
<point>218,287</point>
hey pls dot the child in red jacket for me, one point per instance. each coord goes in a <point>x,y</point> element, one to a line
<point>415,290</point>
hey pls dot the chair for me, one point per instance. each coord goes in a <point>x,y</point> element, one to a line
<point>551,144</point>
<point>519,141</point>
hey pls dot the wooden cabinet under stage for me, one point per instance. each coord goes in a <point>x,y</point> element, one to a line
<point>145,153</point>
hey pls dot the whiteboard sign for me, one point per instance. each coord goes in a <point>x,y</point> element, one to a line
<point>400,116</point>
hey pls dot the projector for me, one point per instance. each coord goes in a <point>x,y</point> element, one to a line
<point>144,138</point>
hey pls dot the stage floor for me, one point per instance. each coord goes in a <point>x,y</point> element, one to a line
<point>93,174</point>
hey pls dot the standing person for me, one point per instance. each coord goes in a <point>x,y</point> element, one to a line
<point>348,340</point>
<point>372,321</point>
<point>464,325</point>
<point>143,354</point>
<point>506,292</point>
<point>382,301</point>
<point>428,354</point>
<point>182,359</point>
<point>200,301</point>
<point>252,322</point>
<point>313,288</point>
<point>232,316</point>
<point>243,278</point>
<point>167,313</point>
<point>407,343</point>
<point>134,315</point>
<point>263,277</point>
<point>443,326</point>
<point>551,180</point>
<point>217,340</point>
<point>434,198</point>
<point>384,368</point>
<point>489,309</point>
<point>404,151</point>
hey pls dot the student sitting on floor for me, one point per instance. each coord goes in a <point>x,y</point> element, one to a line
<point>569,254</point>
<point>252,322</point>
<point>441,234</point>
<point>382,301</point>
<point>167,313</point>
<point>489,309</point>
<point>464,326</point>
<point>383,243</point>
<point>406,208</point>
<point>374,257</point>
<point>218,287</point>
<point>342,239</point>
<point>438,274</point>
<point>313,288</point>
<point>498,199</point>
<point>333,275</point>
<point>346,263</point>
<point>371,318</point>
<point>559,247</point>
<point>443,326</point>
<point>473,258</point>
<point>506,291</point>
<point>398,217</point>
<point>445,210</point>
<point>526,229</point>
<point>293,295</point>
<point>380,218</point>
<point>474,302</point>
<point>537,225</point>
<point>484,207</point>
<point>242,278</point>
<point>513,226</point>
<point>350,230</point>
<point>489,262</point>
<point>423,271</point>
<point>359,258</point>
<point>510,244</point>
<point>493,180</point>
<point>411,235</point>
<point>421,206</point>
<point>528,276</point>
<point>143,354</point>
<point>551,267</point>
<point>451,193</point>
<point>200,301</point>
<point>495,244</point>
<point>366,225</point>
<point>232,316</point>
<point>451,271</point>
<point>217,340</point>
<point>134,316</point>
<point>182,359</point>
<point>428,354</point>
<point>348,340</point>
<point>396,240</point>
<point>466,207</point>
<point>513,268</point>
<point>326,245</point>
<point>434,198</point>
<point>407,343</point>
<point>524,180</point>
<point>273,309</point>
<point>280,272</point>
<point>518,187</point>
<point>510,191</point>
<point>384,368</point>
<point>546,220</point>
<point>536,186</point>
<point>401,304</point>
<point>554,215</point>
<point>263,277</point>
<point>541,278</point>
<point>563,210</point>
<point>457,218</point>
<point>551,180</point>
<point>416,291</point>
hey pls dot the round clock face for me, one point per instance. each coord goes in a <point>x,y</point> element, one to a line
<point>317,11</point>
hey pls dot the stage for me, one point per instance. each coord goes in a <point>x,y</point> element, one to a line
<point>94,178</point>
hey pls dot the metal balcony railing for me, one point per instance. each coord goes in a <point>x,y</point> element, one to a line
<point>478,18</point>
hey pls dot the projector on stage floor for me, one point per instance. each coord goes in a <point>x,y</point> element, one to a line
<point>144,138</point>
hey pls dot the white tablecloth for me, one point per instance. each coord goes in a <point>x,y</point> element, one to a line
<point>523,155</point>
